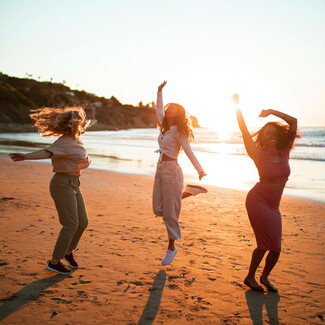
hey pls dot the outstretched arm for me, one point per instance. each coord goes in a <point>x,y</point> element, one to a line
<point>39,154</point>
<point>292,121</point>
<point>160,104</point>
<point>252,150</point>
<point>190,154</point>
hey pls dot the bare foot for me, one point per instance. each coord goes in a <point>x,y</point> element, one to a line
<point>270,287</point>
<point>251,282</point>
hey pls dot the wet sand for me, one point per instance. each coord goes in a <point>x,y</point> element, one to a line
<point>121,279</point>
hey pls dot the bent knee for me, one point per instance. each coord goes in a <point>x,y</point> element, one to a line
<point>83,225</point>
<point>70,228</point>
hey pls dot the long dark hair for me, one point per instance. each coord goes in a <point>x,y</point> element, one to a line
<point>183,122</point>
<point>286,137</point>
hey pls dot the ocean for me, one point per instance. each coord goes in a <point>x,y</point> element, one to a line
<point>224,159</point>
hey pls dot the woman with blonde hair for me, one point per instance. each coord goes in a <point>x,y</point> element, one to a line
<point>175,134</point>
<point>269,149</point>
<point>68,156</point>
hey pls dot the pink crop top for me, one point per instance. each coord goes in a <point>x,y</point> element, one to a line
<point>271,172</point>
<point>69,155</point>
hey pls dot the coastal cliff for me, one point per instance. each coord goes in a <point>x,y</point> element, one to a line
<point>18,96</point>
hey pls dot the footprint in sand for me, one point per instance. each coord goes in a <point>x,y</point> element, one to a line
<point>54,314</point>
<point>127,288</point>
<point>84,282</point>
<point>82,293</point>
<point>198,308</point>
<point>237,284</point>
<point>189,282</point>
<point>60,300</point>
<point>206,269</point>
<point>49,291</point>
<point>138,284</point>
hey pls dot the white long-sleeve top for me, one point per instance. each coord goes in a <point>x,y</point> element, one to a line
<point>171,142</point>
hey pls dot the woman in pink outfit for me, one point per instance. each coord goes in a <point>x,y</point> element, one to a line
<point>270,153</point>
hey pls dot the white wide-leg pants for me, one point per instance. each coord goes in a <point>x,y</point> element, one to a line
<point>167,195</point>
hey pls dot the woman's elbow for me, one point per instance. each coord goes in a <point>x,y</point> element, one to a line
<point>47,154</point>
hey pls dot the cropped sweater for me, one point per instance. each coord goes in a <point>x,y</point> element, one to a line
<point>68,155</point>
<point>171,142</point>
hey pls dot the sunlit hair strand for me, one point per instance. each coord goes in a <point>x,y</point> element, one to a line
<point>52,121</point>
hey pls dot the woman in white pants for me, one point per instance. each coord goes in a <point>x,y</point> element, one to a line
<point>175,134</point>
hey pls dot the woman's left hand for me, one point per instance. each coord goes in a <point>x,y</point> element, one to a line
<point>201,175</point>
<point>160,88</point>
<point>265,113</point>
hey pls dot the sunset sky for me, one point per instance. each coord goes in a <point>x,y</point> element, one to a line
<point>272,53</point>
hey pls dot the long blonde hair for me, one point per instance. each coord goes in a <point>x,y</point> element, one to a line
<point>52,121</point>
<point>183,122</point>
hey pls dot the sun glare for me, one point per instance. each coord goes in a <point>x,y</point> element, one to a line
<point>221,119</point>
<point>216,109</point>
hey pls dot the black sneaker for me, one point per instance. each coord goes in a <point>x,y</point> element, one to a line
<point>58,268</point>
<point>71,261</point>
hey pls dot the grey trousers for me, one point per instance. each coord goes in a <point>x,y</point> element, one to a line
<point>71,210</point>
<point>167,195</point>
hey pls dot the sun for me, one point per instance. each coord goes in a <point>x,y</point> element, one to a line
<point>222,119</point>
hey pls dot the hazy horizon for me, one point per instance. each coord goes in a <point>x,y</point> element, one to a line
<point>270,53</point>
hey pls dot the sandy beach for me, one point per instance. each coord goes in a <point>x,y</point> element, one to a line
<point>121,279</point>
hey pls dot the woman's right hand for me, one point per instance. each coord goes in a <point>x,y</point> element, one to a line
<point>235,99</point>
<point>17,156</point>
<point>201,175</point>
<point>265,113</point>
<point>160,88</point>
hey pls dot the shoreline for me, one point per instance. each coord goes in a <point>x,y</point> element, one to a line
<point>133,151</point>
<point>121,279</point>
<point>5,156</point>
<point>25,128</point>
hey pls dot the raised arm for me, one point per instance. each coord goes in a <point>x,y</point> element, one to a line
<point>252,150</point>
<point>292,121</point>
<point>160,104</point>
<point>39,154</point>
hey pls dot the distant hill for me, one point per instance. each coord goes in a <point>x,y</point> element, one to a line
<point>19,95</point>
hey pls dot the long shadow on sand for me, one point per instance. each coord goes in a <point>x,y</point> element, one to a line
<point>152,306</point>
<point>255,302</point>
<point>26,294</point>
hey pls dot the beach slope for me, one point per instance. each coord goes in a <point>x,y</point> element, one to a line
<point>121,279</point>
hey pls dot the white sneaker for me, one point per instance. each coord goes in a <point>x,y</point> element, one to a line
<point>169,256</point>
